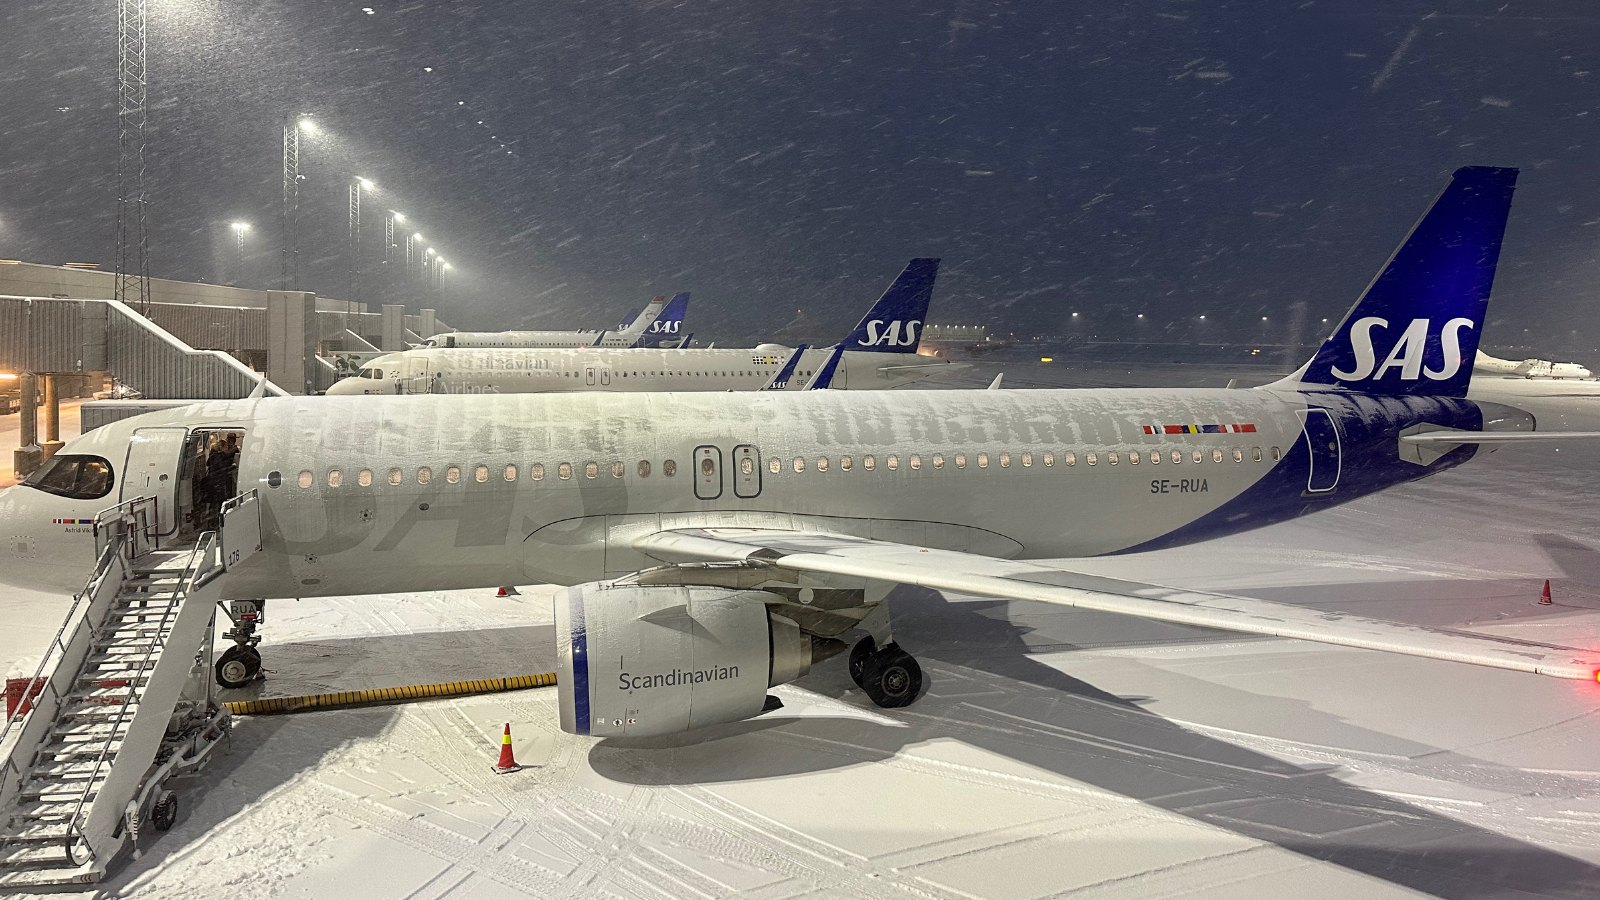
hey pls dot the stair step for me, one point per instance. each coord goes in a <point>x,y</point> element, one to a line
<point>107,711</point>
<point>69,792</point>
<point>83,750</point>
<point>34,842</point>
<point>68,772</point>
<point>45,812</point>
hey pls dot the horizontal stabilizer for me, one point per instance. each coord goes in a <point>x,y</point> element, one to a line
<point>1452,436</point>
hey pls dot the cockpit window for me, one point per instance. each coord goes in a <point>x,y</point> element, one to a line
<point>73,476</point>
<point>370,372</point>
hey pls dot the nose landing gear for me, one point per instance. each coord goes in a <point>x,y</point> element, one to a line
<point>241,664</point>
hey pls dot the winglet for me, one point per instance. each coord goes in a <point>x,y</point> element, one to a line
<point>260,390</point>
<point>824,377</point>
<point>995,384</point>
<point>780,381</point>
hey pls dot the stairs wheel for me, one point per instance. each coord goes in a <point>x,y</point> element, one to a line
<point>165,813</point>
<point>238,666</point>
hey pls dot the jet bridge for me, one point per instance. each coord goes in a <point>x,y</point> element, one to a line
<point>122,701</point>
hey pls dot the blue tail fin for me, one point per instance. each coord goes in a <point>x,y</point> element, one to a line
<point>667,326</point>
<point>823,380</point>
<point>1416,328</point>
<point>894,323</point>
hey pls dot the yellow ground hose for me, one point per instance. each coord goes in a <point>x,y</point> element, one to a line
<point>375,696</point>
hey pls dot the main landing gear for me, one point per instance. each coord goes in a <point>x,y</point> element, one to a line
<point>889,675</point>
<point>241,664</point>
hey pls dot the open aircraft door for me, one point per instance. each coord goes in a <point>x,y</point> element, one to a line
<point>600,375</point>
<point>1322,442</point>
<point>151,470</point>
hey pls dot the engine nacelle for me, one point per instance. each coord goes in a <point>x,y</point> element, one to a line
<point>643,660</point>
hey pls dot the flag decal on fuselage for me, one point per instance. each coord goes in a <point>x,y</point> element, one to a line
<point>1233,428</point>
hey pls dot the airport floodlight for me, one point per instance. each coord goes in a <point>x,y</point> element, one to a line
<point>1074,315</point>
<point>1141,315</point>
<point>432,252</point>
<point>241,226</point>
<point>1202,316</point>
<point>1263,318</point>
<point>418,237</point>
<point>366,184</point>
<point>447,266</point>
<point>306,126</point>
<point>398,217</point>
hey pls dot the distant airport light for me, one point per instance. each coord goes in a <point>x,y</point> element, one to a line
<point>1263,318</point>
<point>366,183</point>
<point>1074,315</point>
<point>431,251</point>
<point>307,126</point>
<point>418,236</point>
<point>7,376</point>
<point>241,227</point>
<point>398,217</point>
<point>1046,359</point>
<point>1141,315</point>
<point>1202,315</point>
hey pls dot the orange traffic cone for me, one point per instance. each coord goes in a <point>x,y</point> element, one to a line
<point>508,761</point>
<point>1544,595</point>
<point>507,592</point>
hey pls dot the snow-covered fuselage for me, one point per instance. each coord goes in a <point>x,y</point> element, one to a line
<point>373,494</point>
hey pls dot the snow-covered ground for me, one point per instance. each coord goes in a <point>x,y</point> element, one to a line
<point>1056,752</point>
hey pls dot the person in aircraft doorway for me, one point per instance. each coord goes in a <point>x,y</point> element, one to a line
<point>219,481</point>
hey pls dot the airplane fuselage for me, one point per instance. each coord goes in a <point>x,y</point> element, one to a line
<point>365,495</point>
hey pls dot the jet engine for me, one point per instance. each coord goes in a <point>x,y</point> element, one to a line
<point>659,659</point>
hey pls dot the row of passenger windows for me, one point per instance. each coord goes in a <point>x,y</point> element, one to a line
<point>1027,458</point>
<point>481,474</point>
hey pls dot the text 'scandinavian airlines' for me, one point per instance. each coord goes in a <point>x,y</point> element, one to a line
<point>880,353</point>
<point>718,544</point>
<point>658,324</point>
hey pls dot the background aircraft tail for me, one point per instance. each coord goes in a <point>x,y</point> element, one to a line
<point>640,323</point>
<point>1416,328</point>
<point>894,323</point>
<point>664,331</point>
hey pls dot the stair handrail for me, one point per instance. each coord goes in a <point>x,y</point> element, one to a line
<point>109,553</point>
<point>202,551</point>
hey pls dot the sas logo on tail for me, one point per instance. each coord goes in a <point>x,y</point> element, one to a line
<point>659,327</point>
<point>894,334</point>
<point>1407,353</point>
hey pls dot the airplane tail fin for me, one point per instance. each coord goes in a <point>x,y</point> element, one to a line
<point>823,380</point>
<point>894,323</point>
<point>665,329</point>
<point>1415,329</point>
<point>639,324</point>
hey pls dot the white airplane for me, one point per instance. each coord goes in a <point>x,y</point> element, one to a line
<point>660,321</point>
<point>1485,364</point>
<point>719,544</point>
<point>879,354</point>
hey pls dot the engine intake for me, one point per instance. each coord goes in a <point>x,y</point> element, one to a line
<point>646,660</point>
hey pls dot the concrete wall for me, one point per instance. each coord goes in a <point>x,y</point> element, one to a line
<point>291,340</point>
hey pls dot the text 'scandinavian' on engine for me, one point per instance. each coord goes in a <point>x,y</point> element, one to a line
<point>717,544</point>
<point>881,352</point>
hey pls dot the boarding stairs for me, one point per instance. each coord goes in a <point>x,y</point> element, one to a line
<point>122,701</point>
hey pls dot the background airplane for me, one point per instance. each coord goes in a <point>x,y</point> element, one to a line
<point>660,320</point>
<point>880,353</point>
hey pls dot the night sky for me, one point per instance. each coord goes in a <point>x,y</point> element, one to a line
<point>1240,159</point>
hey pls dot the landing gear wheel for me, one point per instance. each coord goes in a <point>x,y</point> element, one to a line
<point>891,677</point>
<point>859,654</point>
<point>165,813</point>
<point>238,666</point>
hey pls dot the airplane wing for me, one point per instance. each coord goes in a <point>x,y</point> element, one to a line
<point>1451,436</point>
<point>834,554</point>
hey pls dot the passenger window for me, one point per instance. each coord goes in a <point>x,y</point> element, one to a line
<point>669,468</point>
<point>1027,459</point>
<point>509,473</point>
<point>335,478</point>
<point>774,465</point>
<point>1177,457</point>
<point>983,460</point>
<point>961,460</point>
<point>893,461</point>
<point>822,464</point>
<point>1238,455</point>
<point>1070,458</point>
<point>1111,458</point>
<point>799,464</point>
<point>1005,460</point>
<point>1155,457</point>
<point>916,460</point>
<point>1133,457</point>
<point>1276,453</point>
<point>845,463</point>
<point>364,478</point>
<point>1255,453</point>
<point>564,471</point>
<point>274,479</point>
<point>869,462</point>
<point>747,466</point>
<point>591,470</point>
<point>1049,458</point>
<point>1216,455</point>
<point>938,460</point>
<point>644,468</point>
<point>1091,458</point>
<point>424,475</point>
<point>1199,457</point>
<point>304,480</point>
<point>453,474</point>
<point>536,471</point>
<point>396,476</point>
<point>616,469</point>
